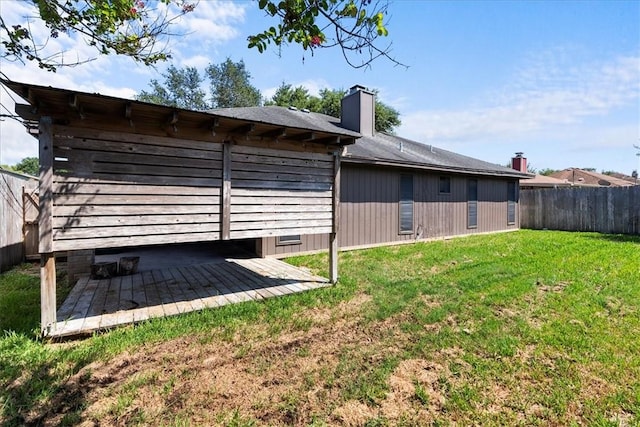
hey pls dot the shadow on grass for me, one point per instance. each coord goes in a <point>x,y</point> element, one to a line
<point>35,390</point>
<point>619,238</point>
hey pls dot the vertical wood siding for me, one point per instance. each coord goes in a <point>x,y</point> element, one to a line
<point>11,217</point>
<point>369,209</point>
<point>601,209</point>
<point>115,189</point>
<point>279,193</point>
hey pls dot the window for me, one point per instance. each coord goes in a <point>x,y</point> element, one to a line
<point>293,239</point>
<point>472,203</point>
<point>512,199</point>
<point>406,204</point>
<point>445,185</point>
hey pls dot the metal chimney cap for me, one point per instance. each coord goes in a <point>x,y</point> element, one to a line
<point>359,88</point>
<point>519,153</point>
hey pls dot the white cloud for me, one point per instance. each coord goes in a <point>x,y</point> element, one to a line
<point>547,93</point>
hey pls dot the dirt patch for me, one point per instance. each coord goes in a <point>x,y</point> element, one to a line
<point>555,288</point>
<point>414,391</point>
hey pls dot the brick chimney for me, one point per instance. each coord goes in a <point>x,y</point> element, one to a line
<point>519,163</point>
<point>357,111</point>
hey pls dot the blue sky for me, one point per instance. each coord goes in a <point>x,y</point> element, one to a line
<point>558,80</point>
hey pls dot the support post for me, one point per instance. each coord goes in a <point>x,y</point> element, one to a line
<point>45,227</point>
<point>335,221</point>
<point>225,193</point>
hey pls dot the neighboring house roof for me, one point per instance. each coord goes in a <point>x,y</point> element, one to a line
<point>583,177</point>
<point>383,148</point>
<point>624,177</point>
<point>544,181</point>
<point>287,117</point>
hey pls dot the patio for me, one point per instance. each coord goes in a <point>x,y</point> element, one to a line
<point>95,305</point>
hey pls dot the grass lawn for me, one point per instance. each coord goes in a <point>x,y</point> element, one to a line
<point>524,328</point>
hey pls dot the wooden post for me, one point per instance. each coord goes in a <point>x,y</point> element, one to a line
<point>225,193</point>
<point>45,227</point>
<point>335,221</point>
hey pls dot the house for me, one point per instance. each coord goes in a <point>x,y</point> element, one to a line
<point>588,178</point>
<point>394,190</point>
<point>543,181</point>
<point>118,173</point>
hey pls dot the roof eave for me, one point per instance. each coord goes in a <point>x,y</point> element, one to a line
<point>437,168</point>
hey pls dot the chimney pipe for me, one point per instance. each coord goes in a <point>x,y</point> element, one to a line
<point>519,162</point>
<point>357,111</point>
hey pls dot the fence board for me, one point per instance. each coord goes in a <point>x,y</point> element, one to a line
<point>11,215</point>
<point>614,210</point>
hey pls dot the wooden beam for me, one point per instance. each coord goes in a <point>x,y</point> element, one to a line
<point>333,237</point>
<point>47,293</point>
<point>244,129</point>
<point>75,104</point>
<point>225,193</point>
<point>307,136</point>
<point>45,227</point>
<point>127,113</point>
<point>173,120</point>
<point>26,112</point>
<point>46,185</point>
<point>330,140</point>
<point>275,133</point>
<point>214,124</point>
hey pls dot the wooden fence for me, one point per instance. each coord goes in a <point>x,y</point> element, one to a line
<point>602,209</point>
<point>14,188</point>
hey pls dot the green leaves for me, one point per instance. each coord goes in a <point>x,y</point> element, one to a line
<point>123,27</point>
<point>308,23</point>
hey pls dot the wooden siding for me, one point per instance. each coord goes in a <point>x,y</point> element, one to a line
<point>118,189</point>
<point>601,209</point>
<point>12,217</point>
<point>369,210</point>
<point>279,193</point>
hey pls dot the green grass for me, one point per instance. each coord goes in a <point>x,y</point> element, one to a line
<point>544,326</point>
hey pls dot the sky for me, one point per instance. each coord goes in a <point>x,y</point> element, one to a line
<point>557,80</point>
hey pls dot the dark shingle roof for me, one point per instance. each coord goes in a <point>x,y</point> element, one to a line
<point>384,148</point>
<point>286,117</point>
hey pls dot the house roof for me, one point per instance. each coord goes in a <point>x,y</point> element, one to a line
<point>583,177</point>
<point>91,109</point>
<point>545,181</point>
<point>291,118</point>
<point>383,148</point>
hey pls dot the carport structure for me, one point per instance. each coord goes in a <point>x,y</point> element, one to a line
<point>116,173</point>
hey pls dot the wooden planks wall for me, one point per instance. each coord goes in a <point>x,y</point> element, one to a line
<point>117,189</point>
<point>369,209</point>
<point>600,209</point>
<point>11,217</point>
<point>279,192</point>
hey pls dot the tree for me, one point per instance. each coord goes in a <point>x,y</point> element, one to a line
<point>181,89</point>
<point>28,165</point>
<point>353,26</point>
<point>329,103</point>
<point>547,171</point>
<point>141,30</point>
<point>299,97</point>
<point>230,86</point>
<point>123,27</point>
